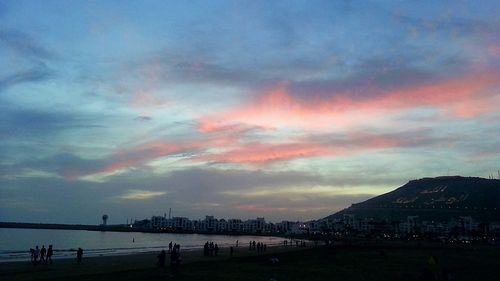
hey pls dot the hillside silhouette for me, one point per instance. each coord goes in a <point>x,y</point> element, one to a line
<point>440,198</point>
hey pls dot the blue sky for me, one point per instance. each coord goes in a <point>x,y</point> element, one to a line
<point>282,109</point>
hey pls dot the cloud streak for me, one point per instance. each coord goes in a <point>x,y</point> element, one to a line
<point>464,97</point>
<point>139,194</point>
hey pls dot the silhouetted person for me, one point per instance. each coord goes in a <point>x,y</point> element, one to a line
<point>216,249</point>
<point>231,250</point>
<point>43,251</point>
<point>170,247</point>
<point>37,253</point>
<point>205,249</point>
<point>237,243</point>
<point>79,255</point>
<point>32,253</point>
<point>161,258</point>
<point>50,252</point>
<point>175,260</point>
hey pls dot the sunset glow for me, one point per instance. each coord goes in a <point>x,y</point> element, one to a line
<point>239,109</point>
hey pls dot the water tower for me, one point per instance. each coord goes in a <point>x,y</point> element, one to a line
<point>104,219</point>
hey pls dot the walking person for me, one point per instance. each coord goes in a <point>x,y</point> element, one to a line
<point>79,255</point>
<point>50,252</point>
<point>43,251</point>
<point>32,253</point>
<point>175,260</point>
<point>161,258</point>
<point>37,253</point>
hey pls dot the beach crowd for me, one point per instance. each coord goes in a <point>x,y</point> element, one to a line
<point>41,256</point>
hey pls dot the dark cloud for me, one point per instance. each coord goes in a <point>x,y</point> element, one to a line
<point>52,200</point>
<point>192,193</point>
<point>399,139</point>
<point>375,76</point>
<point>18,122</point>
<point>451,26</point>
<point>39,73</point>
<point>143,118</point>
<point>25,45</point>
<point>169,69</point>
<point>68,165</point>
<point>33,54</point>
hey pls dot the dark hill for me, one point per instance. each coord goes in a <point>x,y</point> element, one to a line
<point>440,198</point>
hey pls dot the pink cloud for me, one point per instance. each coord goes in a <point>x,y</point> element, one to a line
<point>258,153</point>
<point>267,153</point>
<point>462,97</point>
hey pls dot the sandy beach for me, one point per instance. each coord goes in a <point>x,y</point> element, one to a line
<point>384,261</point>
<point>68,269</point>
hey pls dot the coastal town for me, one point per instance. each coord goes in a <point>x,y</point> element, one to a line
<point>463,228</point>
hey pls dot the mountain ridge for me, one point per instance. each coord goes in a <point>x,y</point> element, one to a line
<point>438,198</point>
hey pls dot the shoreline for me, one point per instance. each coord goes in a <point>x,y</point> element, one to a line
<point>16,243</point>
<point>151,252</point>
<point>66,268</point>
<point>341,262</point>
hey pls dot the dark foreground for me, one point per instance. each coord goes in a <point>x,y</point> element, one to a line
<point>388,262</point>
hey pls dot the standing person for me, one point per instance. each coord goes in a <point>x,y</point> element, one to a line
<point>161,258</point>
<point>216,249</point>
<point>32,253</point>
<point>174,260</point>
<point>170,247</point>
<point>37,253</point>
<point>231,250</point>
<point>50,252</point>
<point>205,249</point>
<point>79,255</point>
<point>237,243</point>
<point>43,251</point>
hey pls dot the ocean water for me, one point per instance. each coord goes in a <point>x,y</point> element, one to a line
<point>15,243</point>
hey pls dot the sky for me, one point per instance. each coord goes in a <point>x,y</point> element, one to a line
<point>288,110</point>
